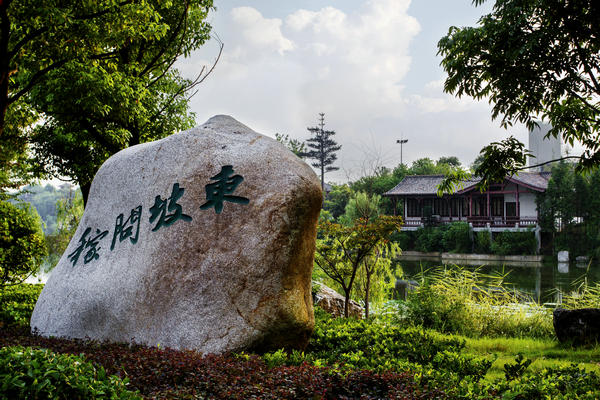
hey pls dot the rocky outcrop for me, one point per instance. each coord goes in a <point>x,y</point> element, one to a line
<point>203,240</point>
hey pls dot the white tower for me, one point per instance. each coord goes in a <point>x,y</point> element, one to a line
<point>544,149</point>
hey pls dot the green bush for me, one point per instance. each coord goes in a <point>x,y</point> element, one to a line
<point>26,373</point>
<point>517,243</point>
<point>430,238</point>
<point>456,300</point>
<point>483,242</point>
<point>17,303</point>
<point>22,245</point>
<point>570,382</point>
<point>405,239</point>
<point>457,239</point>
<point>381,346</point>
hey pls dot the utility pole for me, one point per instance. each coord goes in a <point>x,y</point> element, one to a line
<point>401,141</point>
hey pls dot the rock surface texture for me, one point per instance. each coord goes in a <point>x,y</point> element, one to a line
<point>579,326</point>
<point>333,303</point>
<point>203,240</point>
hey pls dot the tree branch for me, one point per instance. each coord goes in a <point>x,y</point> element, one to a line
<point>36,77</point>
<point>151,65</point>
<point>24,41</point>
<point>547,162</point>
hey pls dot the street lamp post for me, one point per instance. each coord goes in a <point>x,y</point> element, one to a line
<point>401,141</point>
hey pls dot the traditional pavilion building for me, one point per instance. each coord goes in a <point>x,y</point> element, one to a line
<point>510,205</point>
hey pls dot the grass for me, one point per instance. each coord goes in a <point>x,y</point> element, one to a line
<point>545,353</point>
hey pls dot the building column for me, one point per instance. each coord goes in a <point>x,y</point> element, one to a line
<point>470,205</point>
<point>518,206</point>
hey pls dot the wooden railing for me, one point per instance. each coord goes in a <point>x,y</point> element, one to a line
<point>480,222</point>
<point>502,222</point>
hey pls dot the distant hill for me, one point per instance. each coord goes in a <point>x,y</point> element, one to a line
<point>44,199</point>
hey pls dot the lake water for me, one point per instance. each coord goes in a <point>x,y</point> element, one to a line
<point>545,282</point>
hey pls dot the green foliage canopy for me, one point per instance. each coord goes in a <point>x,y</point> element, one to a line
<point>532,59</point>
<point>37,38</point>
<point>129,96</point>
<point>21,243</point>
<point>296,146</point>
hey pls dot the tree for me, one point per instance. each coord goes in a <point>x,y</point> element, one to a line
<point>69,211</point>
<point>361,205</point>
<point>341,250</point>
<point>21,243</point>
<point>376,272</point>
<point>336,200</point>
<point>322,149</point>
<point>37,38</point>
<point>294,145</point>
<point>531,59</point>
<point>127,97</point>
<point>362,208</point>
<point>451,161</point>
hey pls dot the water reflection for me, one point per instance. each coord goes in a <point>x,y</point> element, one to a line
<point>544,282</point>
<point>563,267</point>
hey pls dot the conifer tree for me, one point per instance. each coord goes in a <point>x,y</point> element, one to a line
<point>322,149</point>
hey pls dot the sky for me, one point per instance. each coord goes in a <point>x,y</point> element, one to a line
<point>370,66</point>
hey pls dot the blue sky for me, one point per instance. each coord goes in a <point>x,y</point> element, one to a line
<point>370,66</point>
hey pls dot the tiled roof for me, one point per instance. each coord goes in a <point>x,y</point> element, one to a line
<point>536,179</point>
<point>417,184</point>
<point>427,184</point>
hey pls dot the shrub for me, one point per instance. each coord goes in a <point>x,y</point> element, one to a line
<point>457,239</point>
<point>22,245</point>
<point>17,303</point>
<point>430,239</point>
<point>172,374</point>
<point>483,242</point>
<point>456,300</point>
<point>570,382</point>
<point>405,239</point>
<point>381,347</point>
<point>514,243</point>
<point>26,373</point>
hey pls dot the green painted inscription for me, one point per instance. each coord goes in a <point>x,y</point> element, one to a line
<point>159,209</point>
<point>221,190</point>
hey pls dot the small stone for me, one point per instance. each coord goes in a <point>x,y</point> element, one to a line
<point>563,256</point>
<point>579,326</point>
<point>333,303</point>
<point>203,240</point>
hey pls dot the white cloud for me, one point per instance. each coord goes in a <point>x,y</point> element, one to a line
<point>258,33</point>
<point>276,74</point>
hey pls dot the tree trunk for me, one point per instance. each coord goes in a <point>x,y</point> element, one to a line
<point>367,290</point>
<point>347,303</point>
<point>85,191</point>
<point>4,63</point>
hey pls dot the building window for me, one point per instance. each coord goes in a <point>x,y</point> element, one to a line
<point>455,204</point>
<point>497,206</point>
<point>412,208</point>
<point>440,207</point>
<point>465,206</point>
<point>479,207</point>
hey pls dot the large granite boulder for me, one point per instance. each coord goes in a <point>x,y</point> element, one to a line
<point>203,240</point>
<point>579,326</point>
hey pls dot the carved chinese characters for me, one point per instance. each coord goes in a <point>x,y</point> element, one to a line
<point>164,212</point>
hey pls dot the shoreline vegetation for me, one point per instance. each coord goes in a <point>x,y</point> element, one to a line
<point>453,337</point>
